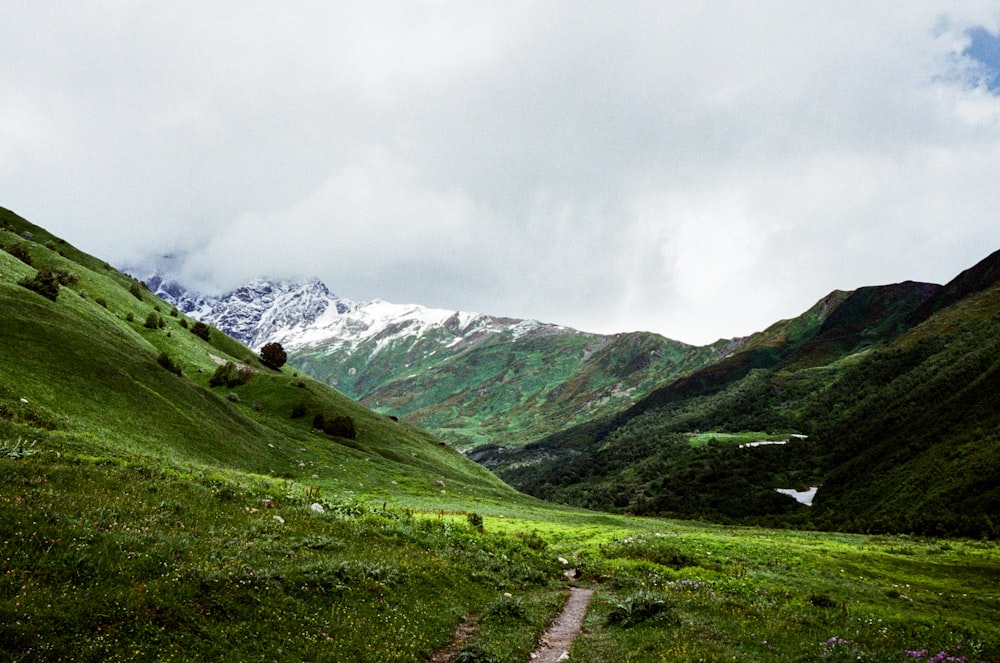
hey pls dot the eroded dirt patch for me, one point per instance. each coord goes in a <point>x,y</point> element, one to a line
<point>464,631</point>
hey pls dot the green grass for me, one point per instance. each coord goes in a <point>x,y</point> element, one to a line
<point>701,439</point>
<point>111,559</point>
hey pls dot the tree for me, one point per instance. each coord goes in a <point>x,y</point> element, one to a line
<point>21,252</point>
<point>45,282</point>
<point>273,355</point>
<point>201,330</point>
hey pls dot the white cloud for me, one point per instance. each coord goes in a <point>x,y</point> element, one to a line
<point>694,168</point>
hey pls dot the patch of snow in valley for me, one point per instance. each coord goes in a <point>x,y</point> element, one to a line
<point>801,496</point>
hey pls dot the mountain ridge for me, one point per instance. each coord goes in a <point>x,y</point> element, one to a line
<point>469,377</point>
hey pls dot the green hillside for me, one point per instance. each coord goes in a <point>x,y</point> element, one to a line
<point>506,388</point>
<point>894,386</point>
<point>88,357</point>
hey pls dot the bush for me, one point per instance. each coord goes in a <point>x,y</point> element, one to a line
<point>475,521</point>
<point>642,607</point>
<point>273,355</point>
<point>21,252</point>
<point>166,362</point>
<point>337,426</point>
<point>230,375</point>
<point>506,609</point>
<point>533,540</point>
<point>298,410</point>
<point>152,321</point>
<point>66,277</point>
<point>340,426</point>
<point>101,301</point>
<point>136,289</point>
<point>45,282</point>
<point>201,330</point>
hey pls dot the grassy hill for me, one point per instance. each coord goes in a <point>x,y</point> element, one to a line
<point>506,388</point>
<point>75,365</point>
<point>894,385</point>
<point>146,515</point>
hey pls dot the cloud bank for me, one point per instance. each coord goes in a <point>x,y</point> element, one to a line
<point>697,169</point>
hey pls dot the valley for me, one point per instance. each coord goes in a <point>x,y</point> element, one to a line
<point>158,505</point>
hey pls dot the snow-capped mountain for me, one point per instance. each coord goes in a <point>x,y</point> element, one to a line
<point>300,314</point>
<point>468,377</point>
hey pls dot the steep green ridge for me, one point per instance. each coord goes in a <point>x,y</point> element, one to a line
<point>79,363</point>
<point>509,387</point>
<point>901,420</point>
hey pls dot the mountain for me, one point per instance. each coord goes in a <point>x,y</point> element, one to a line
<point>98,344</point>
<point>887,397</point>
<point>471,379</point>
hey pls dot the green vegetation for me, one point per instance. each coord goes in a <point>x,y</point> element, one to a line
<point>273,355</point>
<point>495,390</point>
<point>898,393</point>
<point>146,516</point>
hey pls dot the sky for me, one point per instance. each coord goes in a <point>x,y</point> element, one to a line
<point>699,169</point>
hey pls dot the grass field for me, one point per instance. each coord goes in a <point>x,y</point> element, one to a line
<point>111,559</point>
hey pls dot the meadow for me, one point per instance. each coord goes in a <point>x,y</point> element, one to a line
<point>112,559</point>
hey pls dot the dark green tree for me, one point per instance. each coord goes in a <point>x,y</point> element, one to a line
<point>201,330</point>
<point>21,252</point>
<point>273,355</point>
<point>45,282</point>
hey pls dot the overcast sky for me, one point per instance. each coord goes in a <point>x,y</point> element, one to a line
<point>698,169</point>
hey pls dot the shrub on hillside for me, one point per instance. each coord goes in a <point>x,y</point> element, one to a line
<point>298,410</point>
<point>273,355</point>
<point>338,426</point>
<point>152,321</point>
<point>136,289</point>
<point>20,251</point>
<point>201,330</point>
<point>230,375</point>
<point>166,362</point>
<point>45,282</point>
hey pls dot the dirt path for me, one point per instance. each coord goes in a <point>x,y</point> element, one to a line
<point>557,640</point>
<point>464,631</point>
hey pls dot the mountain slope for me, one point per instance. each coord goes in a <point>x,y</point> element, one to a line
<point>469,378</point>
<point>891,409</point>
<point>74,365</point>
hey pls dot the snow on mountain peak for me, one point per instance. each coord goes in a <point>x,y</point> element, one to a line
<point>305,313</point>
